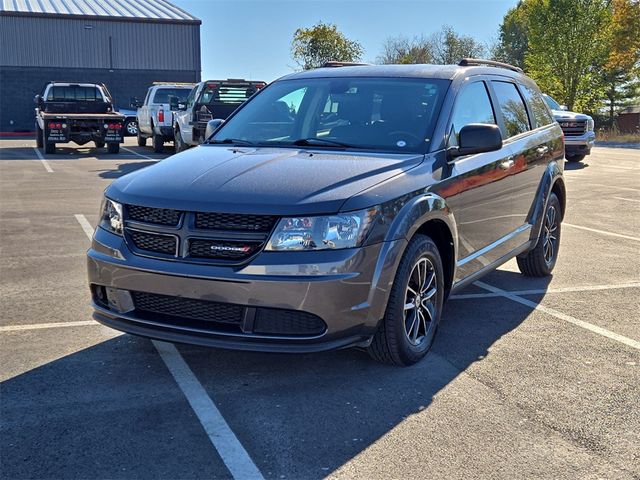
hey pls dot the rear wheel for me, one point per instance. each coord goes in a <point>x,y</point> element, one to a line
<point>540,261</point>
<point>113,147</point>
<point>39,136</point>
<point>50,147</point>
<point>99,143</point>
<point>142,141</point>
<point>177,140</point>
<point>158,143</point>
<point>408,328</point>
<point>574,158</point>
<point>131,127</point>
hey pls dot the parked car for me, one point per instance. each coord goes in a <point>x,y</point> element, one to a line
<point>155,117</point>
<point>208,100</point>
<point>77,112</point>
<point>291,236</point>
<point>578,128</point>
<point>131,121</point>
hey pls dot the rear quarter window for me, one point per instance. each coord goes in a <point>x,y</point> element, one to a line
<point>514,112</point>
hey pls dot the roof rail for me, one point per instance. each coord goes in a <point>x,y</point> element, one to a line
<point>334,64</point>
<point>468,62</point>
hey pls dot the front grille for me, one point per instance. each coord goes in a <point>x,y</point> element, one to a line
<point>230,221</point>
<point>271,321</point>
<point>188,308</point>
<point>222,249</point>
<point>573,128</point>
<point>153,242</point>
<point>157,216</point>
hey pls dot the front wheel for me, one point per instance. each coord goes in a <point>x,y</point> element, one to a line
<point>49,147</point>
<point>113,147</point>
<point>158,143</point>
<point>177,141</point>
<point>39,136</point>
<point>540,261</point>
<point>408,328</point>
<point>574,158</point>
<point>142,141</point>
<point>99,143</point>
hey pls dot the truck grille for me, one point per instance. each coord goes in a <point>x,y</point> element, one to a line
<point>156,216</point>
<point>573,128</point>
<point>208,237</point>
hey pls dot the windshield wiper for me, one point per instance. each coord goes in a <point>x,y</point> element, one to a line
<point>315,141</point>
<point>234,141</point>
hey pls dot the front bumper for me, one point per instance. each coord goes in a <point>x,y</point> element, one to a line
<point>580,145</point>
<point>347,289</point>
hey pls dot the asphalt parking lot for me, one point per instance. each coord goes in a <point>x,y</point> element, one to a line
<point>529,378</point>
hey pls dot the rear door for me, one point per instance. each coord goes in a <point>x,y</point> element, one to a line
<point>143,114</point>
<point>479,189</point>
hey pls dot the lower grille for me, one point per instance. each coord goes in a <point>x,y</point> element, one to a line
<point>153,242</point>
<point>223,250</point>
<point>188,308</point>
<point>573,128</point>
<point>287,322</point>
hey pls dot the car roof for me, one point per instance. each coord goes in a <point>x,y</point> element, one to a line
<point>448,72</point>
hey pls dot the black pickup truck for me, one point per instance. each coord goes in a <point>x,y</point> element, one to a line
<point>77,112</point>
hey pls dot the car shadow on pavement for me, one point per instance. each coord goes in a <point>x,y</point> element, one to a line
<point>575,165</point>
<point>113,410</point>
<point>123,169</point>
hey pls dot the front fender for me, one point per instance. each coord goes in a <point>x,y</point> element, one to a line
<point>551,177</point>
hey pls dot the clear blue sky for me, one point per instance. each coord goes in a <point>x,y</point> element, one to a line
<point>251,38</point>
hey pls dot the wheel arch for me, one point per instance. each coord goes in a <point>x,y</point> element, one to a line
<point>552,182</point>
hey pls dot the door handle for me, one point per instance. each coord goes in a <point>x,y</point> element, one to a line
<point>508,163</point>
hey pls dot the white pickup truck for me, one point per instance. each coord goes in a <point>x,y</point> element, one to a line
<point>155,118</point>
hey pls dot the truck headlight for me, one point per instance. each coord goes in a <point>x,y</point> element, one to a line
<point>590,125</point>
<point>342,230</point>
<point>111,216</point>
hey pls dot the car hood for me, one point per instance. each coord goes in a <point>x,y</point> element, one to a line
<point>278,181</point>
<point>559,115</point>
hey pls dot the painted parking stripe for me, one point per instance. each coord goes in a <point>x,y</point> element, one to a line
<point>139,154</point>
<point>615,187</point>
<point>39,326</point>
<point>602,232</point>
<point>231,451</point>
<point>628,199</point>
<point>233,454</point>
<point>43,160</point>
<point>586,288</point>
<point>562,316</point>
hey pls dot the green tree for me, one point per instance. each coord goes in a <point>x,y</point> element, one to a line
<point>513,42</point>
<point>403,50</point>
<point>567,42</point>
<point>448,47</point>
<point>312,47</point>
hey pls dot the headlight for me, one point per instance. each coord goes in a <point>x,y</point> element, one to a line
<point>342,230</point>
<point>111,216</point>
<point>590,125</point>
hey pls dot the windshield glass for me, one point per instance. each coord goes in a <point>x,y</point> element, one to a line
<point>553,105</point>
<point>391,114</point>
<point>71,93</point>
<point>162,94</point>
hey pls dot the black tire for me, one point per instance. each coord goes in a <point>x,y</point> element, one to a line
<point>178,143</point>
<point>391,343</point>
<point>574,158</point>
<point>99,143</point>
<point>540,261</point>
<point>113,147</point>
<point>49,147</point>
<point>142,141</point>
<point>39,136</point>
<point>131,127</point>
<point>158,143</point>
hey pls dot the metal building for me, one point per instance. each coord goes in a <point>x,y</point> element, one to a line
<point>126,44</point>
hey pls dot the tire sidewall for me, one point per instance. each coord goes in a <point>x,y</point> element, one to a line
<point>555,202</point>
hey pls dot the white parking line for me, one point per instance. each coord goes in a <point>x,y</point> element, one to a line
<point>42,159</point>
<point>602,232</point>
<point>231,451</point>
<point>86,226</point>
<point>628,199</point>
<point>38,326</point>
<point>586,288</point>
<point>233,454</point>
<point>139,154</point>
<point>615,187</point>
<point>562,316</point>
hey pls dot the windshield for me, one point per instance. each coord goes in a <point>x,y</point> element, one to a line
<point>391,114</point>
<point>71,93</point>
<point>553,105</point>
<point>162,94</point>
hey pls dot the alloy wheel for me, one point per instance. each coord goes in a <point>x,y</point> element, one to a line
<point>550,238</point>
<point>132,128</point>
<point>420,302</point>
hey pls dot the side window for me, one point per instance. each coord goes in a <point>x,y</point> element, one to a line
<point>516,118</point>
<point>191,98</point>
<point>473,105</point>
<point>538,105</point>
<point>146,99</point>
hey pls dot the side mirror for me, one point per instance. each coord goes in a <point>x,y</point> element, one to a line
<point>37,99</point>
<point>173,102</point>
<point>182,107</point>
<point>477,138</point>
<point>135,103</point>
<point>212,126</point>
<point>564,108</point>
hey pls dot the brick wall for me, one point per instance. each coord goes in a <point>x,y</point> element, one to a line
<point>18,86</point>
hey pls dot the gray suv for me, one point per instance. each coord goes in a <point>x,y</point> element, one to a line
<point>337,207</point>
